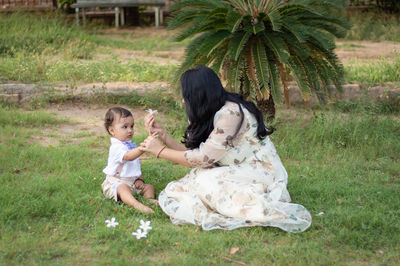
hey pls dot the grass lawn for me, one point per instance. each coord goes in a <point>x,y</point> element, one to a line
<point>52,211</point>
<point>343,162</point>
<point>49,49</point>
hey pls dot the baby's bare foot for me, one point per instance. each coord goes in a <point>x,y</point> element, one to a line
<point>153,201</point>
<point>143,208</point>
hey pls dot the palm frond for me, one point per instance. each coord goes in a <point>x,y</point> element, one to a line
<point>237,43</point>
<point>258,42</point>
<point>213,42</point>
<point>277,45</point>
<point>260,61</point>
<point>251,72</point>
<point>233,20</point>
<point>291,26</point>
<point>235,73</point>
<point>240,6</point>
<point>273,77</point>
<point>190,30</point>
<point>274,17</point>
<point>190,4</point>
<point>219,59</point>
<point>186,17</point>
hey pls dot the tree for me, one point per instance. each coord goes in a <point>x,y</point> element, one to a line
<point>259,45</point>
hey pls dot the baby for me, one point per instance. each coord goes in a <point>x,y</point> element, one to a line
<point>124,175</point>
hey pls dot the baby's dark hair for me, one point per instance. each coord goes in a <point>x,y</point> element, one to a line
<point>113,113</point>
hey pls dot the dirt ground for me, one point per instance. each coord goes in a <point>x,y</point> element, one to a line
<point>345,49</point>
<point>83,120</point>
<point>366,49</point>
<point>158,57</point>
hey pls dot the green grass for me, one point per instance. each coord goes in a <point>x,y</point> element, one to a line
<point>138,41</point>
<point>42,33</point>
<point>374,26</point>
<point>349,46</point>
<point>39,68</point>
<point>372,71</point>
<point>343,164</point>
<point>48,48</point>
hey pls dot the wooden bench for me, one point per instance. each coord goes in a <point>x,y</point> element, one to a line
<point>119,6</point>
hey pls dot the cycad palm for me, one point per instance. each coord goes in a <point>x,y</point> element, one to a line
<point>259,44</point>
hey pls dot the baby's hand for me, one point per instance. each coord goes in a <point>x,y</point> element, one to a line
<point>139,184</point>
<point>151,144</point>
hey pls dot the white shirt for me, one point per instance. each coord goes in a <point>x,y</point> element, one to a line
<point>131,169</point>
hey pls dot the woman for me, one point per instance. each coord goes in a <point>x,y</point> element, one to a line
<point>237,178</point>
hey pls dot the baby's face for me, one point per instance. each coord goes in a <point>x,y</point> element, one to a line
<point>122,128</point>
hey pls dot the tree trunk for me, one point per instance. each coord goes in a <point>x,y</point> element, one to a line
<point>284,78</point>
<point>241,91</point>
<point>132,16</point>
<point>267,107</point>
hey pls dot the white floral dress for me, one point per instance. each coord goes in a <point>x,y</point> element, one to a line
<point>236,182</point>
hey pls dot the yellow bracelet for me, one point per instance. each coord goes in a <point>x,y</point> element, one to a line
<point>158,155</point>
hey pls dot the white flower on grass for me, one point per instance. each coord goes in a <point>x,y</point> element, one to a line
<point>321,213</point>
<point>145,225</point>
<point>112,223</point>
<point>151,111</point>
<point>139,234</point>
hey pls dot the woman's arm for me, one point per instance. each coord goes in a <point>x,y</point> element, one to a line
<point>227,121</point>
<point>173,144</point>
<point>152,145</point>
<point>175,156</point>
<point>223,137</point>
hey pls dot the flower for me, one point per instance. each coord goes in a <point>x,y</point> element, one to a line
<point>153,112</point>
<point>112,223</point>
<point>321,213</point>
<point>145,225</point>
<point>139,234</point>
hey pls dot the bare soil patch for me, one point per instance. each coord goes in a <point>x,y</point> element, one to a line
<point>366,49</point>
<point>158,57</point>
<point>345,50</point>
<point>84,121</point>
<point>139,31</point>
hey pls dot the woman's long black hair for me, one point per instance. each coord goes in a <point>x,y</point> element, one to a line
<point>204,95</point>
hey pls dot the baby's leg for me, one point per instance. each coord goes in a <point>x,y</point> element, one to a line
<point>125,194</point>
<point>148,193</point>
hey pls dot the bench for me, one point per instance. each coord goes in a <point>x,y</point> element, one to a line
<point>119,6</point>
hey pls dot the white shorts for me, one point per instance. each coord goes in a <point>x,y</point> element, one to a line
<point>111,184</point>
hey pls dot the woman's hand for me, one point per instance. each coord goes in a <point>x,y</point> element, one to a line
<point>151,144</point>
<point>153,127</point>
